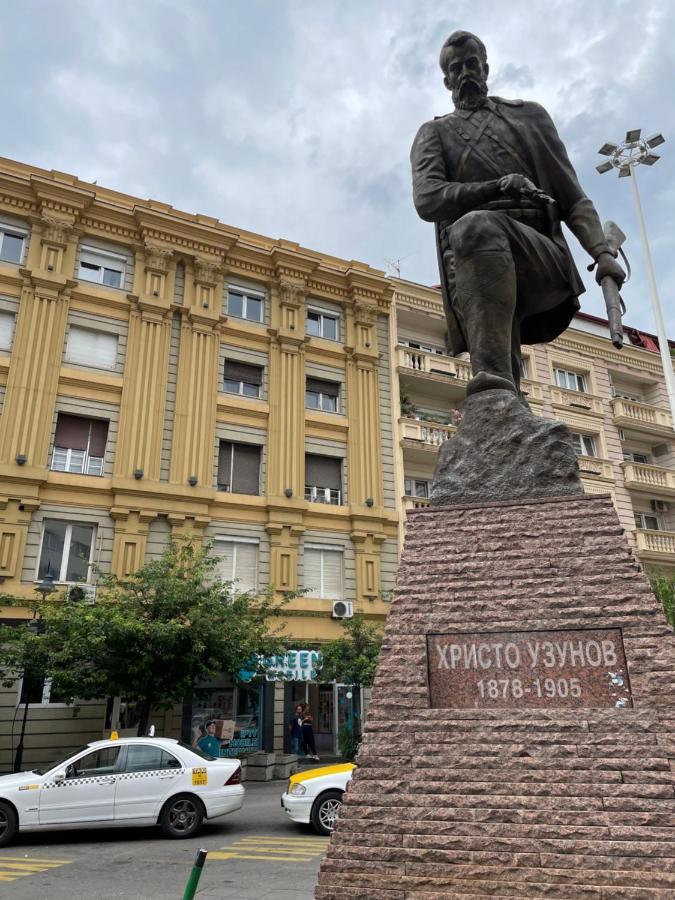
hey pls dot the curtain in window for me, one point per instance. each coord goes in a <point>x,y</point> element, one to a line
<point>238,371</point>
<point>72,432</point>
<point>319,386</point>
<point>246,471</point>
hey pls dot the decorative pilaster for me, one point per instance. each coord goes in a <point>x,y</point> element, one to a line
<point>197,382</point>
<point>15,516</point>
<point>131,538</point>
<point>284,543</point>
<point>368,570</point>
<point>187,527</point>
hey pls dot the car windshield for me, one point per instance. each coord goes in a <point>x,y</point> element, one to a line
<point>197,751</point>
<point>62,761</point>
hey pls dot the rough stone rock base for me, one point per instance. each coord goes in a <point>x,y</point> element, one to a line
<point>502,451</point>
<point>567,803</point>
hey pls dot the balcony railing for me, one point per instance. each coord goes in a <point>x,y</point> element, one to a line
<point>657,544</point>
<point>323,495</point>
<point>631,414</point>
<point>415,502</point>
<point>649,478</point>
<point>431,434</point>
<point>576,400</point>
<point>434,364</point>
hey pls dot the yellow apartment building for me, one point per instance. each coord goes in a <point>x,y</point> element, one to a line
<point>163,374</point>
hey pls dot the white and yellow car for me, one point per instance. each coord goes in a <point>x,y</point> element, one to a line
<point>129,781</point>
<point>315,796</point>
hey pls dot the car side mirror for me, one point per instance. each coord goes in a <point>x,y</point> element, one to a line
<point>59,777</point>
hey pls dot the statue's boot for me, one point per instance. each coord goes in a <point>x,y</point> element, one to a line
<point>486,297</point>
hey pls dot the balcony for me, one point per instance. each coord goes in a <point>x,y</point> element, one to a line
<point>653,480</point>
<point>430,434</point>
<point>641,417</point>
<point>595,467</point>
<point>415,503</point>
<point>658,546</point>
<point>433,373</point>
<point>577,401</point>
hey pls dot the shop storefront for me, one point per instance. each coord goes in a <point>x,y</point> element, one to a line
<point>228,717</point>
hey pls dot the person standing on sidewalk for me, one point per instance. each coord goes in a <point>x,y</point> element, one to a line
<point>295,729</point>
<point>308,733</point>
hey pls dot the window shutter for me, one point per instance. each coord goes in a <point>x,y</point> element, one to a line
<point>72,432</point>
<point>312,571</point>
<point>246,567</point>
<point>332,574</point>
<point>224,461</point>
<point>98,437</point>
<point>323,471</point>
<point>238,371</point>
<point>246,469</point>
<point>91,348</point>
<point>6,330</point>
<point>319,386</point>
<point>224,550</point>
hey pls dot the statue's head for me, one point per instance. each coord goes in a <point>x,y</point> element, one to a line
<point>465,68</point>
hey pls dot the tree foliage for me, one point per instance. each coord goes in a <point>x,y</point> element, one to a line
<point>352,658</point>
<point>152,635</point>
<point>664,589</point>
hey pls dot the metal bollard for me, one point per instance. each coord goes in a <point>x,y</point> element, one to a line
<point>195,875</point>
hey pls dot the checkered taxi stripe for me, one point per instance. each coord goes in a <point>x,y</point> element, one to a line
<point>117,776</point>
<point>13,866</point>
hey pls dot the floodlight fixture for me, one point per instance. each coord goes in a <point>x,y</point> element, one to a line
<point>655,140</point>
<point>626,157</point>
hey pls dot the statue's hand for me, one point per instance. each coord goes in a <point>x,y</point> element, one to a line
<point>607,265</point>
<point>520,187</point>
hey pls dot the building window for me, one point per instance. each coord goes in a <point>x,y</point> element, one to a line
<point>323,324</point>
<point>571,381</point>
<point>646,521</point>
<point>37,689</point>
<point>584,444</point>
<point>243,305</point>
<point>322,395</point>
<point>6,330</point>
<point>242,378</point>
<point>632,456</point>
<point>239,468</point>
<point>323,572</point>
<point>416,487</point>
<point>238,562</point>
<point>87,347</point>
<point>12,243</point>
<point>66,551</point>
<point>102,267</point>
<point>415,345</point>
<point>524,367</point>
<point>79,445</point>
<point>323,479</point>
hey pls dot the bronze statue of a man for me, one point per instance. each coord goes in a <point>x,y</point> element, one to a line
<point>494,177</point>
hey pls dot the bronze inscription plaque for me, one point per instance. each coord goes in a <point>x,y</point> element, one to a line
<point>528,669</point>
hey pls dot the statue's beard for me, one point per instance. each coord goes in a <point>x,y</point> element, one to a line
<point>470,94</point>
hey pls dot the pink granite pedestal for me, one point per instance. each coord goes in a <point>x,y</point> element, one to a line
<point>458,794</point>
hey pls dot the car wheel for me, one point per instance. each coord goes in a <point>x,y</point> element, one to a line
<point>181,816</point>
<point>325,811</point>
<point>8,823</point>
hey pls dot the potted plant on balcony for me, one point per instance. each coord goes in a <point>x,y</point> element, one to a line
<point>407,407</point>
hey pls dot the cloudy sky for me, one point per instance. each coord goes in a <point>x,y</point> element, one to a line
<point>294,119</point>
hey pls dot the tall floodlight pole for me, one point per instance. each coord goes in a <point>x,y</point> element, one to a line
<point>626,157</point>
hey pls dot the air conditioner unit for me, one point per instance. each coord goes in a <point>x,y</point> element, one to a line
<point>342,609</point>
<point>82,593</point>
<point>659,506</point>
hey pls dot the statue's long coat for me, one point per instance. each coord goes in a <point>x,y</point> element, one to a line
<point>451,163</point>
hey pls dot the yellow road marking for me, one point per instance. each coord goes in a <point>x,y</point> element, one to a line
<point>36,859</point>
<point>266,856</point>
<point>273,848</point>
<point>27,864</point>
<point>8,878</point>
<point>13,867</point>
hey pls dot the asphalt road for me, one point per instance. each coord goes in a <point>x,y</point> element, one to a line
<point>254,854</point>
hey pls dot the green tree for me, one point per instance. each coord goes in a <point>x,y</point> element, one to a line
<point>152,635</point>
<point>352,659</point>
<point>664,589</point>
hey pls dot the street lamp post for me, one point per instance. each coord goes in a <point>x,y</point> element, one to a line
<point>626,157</point>
<point>43,587</point>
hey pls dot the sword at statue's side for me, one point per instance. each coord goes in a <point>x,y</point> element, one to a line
<point>610,291</point>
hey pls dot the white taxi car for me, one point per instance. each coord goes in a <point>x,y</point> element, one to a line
<point>129,781</point>
<point>315,796</point>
